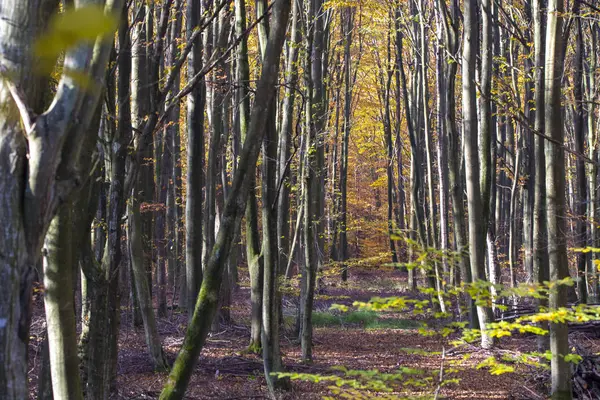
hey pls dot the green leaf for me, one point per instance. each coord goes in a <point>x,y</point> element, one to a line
<point>72,27</point>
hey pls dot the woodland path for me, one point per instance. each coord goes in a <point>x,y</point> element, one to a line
<point>226,372</point>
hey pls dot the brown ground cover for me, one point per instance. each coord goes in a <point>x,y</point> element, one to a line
<point>226,371</point>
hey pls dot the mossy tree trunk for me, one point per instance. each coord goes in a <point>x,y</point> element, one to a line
<point>232,214</point>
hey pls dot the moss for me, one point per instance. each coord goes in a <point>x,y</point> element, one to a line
<point>362,319</point>
<point>254,348</point>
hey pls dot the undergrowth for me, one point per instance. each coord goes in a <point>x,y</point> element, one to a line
<point>365,319</point>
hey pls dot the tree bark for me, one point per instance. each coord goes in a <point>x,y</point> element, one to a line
<point>134,225</point>
<point>36,165</point>
<point>540,231</point>
<point>348,24</point>
<point>195,164</point>
<point>555,199</point>
<point>232,213</point>
<point>58,302</point>
<point>477,227</point>
<point>581,180</point>
<point>285,138</point>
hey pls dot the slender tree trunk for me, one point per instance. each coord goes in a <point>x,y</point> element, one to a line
<point>555,200</point>
<point>173,230</point>
<point>271,303</point>
<point>348,24</point>
<point>385,97</point>
<point>253,253</point>
<point>418,223</point>
<point>141,286</point>
<point>195,164</point>
<point>485,104</point>
<point>494,272</point>
<point>477,227</point>
<point>285,138</point>
<point>451,20</point>
<point>442,149</point>
<point>582,198</point>
<point>233,210</point>
<point>592,169</point>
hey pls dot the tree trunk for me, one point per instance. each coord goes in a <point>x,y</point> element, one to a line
<point>134,225</point>
<point>477,227</point>
<point>348,24</point>
<point>58,301</point>
<point>582,199</point>
<point>253,253</point>
<point>592,169</point>
<point>195,164</point>
<point>442,151</point>
<point>271,304</point>
<point>555,200</point>
<point>233,210</point>
<point>416,183</point>
<point>285,138</point>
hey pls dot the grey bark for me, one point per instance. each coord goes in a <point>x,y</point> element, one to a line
<point>134,225</point>
<point>555,199</point>
<point>233,210</point>
<point>45,171</point>
<point>58,302</point>
<point>195,164</point>
<point>581,231</point>
<point>477,227</point>
<point>285,137</point>
<point>348,24</point>
<point>540,232</point>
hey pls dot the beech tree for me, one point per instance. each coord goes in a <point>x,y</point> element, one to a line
<point>555,192</point>
<point>208,298</point>
<point>40,147</point>
<point>140,157</point>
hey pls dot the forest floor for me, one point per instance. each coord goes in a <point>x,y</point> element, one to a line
<point>357,341</point>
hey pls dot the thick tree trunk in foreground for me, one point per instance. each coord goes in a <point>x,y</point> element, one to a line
<point>208,298</point>
<point>36,166</point>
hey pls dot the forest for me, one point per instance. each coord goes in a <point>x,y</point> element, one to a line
<point>299,199</point>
